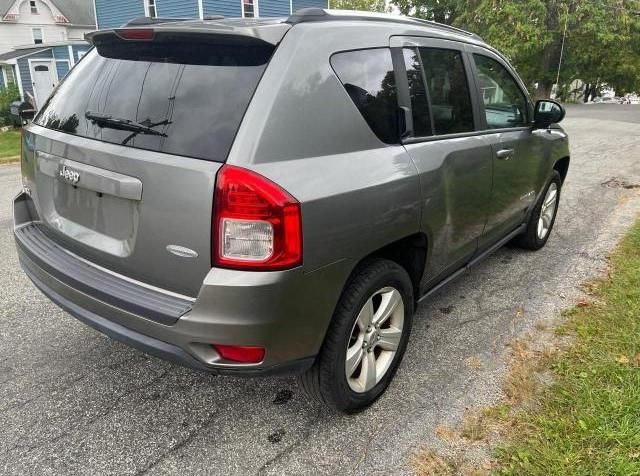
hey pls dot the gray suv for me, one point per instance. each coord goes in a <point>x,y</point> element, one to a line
<point>261,197</point>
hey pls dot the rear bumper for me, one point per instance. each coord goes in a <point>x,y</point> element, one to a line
<point>285,312</point>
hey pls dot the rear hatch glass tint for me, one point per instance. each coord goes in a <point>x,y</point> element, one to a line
<point>185,98</point>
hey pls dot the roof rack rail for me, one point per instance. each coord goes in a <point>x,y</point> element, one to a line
<point>319,14</point>
<point>443,26</point>
<point>142,21</point>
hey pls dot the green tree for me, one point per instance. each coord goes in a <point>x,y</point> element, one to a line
<point>600,45</point>
<point>8,94</point>
<point>527,32</point>
<point>364,5</point>
<point>442,11</point>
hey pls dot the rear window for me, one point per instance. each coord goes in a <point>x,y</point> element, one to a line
<point>182,98</point>
<point>368,77</point>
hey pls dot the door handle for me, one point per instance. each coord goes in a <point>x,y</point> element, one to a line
<point>504,154</point>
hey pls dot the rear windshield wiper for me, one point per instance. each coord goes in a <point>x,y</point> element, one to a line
<point>146,127</point>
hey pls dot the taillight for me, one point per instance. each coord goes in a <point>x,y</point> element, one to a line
<point>256,225</point>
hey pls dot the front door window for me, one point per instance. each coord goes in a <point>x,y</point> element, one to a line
<point>504,104</point>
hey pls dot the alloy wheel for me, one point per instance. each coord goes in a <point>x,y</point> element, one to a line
<point>547,211</point>
<point>374,339</point>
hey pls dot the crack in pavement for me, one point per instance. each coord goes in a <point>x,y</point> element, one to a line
<point>289,449</point>
<point>84,424</point>
<point>179,444</point>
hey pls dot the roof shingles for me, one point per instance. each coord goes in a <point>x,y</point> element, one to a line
<point>19,53</point>
<point>78,12</point>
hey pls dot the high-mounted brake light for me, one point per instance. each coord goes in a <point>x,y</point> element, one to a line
<point>135,33</point>
<point>257,225</point>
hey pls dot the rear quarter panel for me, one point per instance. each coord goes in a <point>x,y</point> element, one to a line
<point>303,132</point>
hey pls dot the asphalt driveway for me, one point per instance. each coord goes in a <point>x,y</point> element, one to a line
<point>75,402</point>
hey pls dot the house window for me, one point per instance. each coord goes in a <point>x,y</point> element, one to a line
<point>8,73</point>
<point>34,7</point>
<point>150,8</point>
<point>38,37</point>
<point>249,8</point>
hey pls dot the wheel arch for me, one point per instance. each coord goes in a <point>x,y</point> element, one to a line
<point>562,166</point>
<point>410,253</point>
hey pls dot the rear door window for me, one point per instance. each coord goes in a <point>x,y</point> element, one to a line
<point>448,90</point>
<point>184,98</point>
<point>504,103</point>
<point>368,78</point>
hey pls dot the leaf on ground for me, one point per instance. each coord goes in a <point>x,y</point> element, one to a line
<point>445,433</point>
<point>583,303</point>
<point>473,362</point>
<point>623,359</point>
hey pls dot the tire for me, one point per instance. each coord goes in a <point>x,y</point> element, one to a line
<point>531,239</point>
<point>327,381</point>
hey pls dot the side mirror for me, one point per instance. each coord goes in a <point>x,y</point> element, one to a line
<point>547,112</point>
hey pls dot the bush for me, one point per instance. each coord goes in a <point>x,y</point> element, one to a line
<point>8,94</point>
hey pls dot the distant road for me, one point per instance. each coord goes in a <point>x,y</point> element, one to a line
<point>611,112</point>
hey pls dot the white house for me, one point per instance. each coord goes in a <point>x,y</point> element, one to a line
<point>40,40</point>
<point>29,22</point>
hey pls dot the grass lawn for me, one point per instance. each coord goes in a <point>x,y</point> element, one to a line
<point>588,421</point>
<point>9,145</point>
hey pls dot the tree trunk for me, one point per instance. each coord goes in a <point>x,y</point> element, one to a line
<point>543,91</point>
<point>590,91</point>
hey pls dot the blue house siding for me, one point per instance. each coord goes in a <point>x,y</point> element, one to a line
<point>113,13</point>
<point>81,49</point>
<point>273,8</point>
<point>62,68</point>
<point>299,4</point>
<point>177,8</point>
<point>228,8</point>
<point>61,52</point>
<point>25,73</point>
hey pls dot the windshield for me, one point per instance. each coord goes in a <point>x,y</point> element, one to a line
<point>185,98</point>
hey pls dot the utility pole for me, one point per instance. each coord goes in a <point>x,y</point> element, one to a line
<point>564,36</point>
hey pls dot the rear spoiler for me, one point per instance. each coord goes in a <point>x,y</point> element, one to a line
<point>207,31</point>
<point>145,21</point>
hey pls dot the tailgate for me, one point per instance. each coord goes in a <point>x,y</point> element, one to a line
<point>122,158</point>
<point>121,208</point>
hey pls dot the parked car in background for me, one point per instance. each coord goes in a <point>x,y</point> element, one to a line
<point>262,197</point>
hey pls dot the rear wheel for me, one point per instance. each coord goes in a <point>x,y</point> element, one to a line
<point>366,340</point>
<point>542,217</point>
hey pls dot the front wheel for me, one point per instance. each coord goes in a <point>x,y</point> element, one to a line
<point>542,217</point>
<point>366,339</point>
